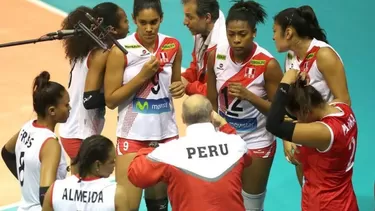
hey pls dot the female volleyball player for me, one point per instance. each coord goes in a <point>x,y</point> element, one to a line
<point>328,135</point>
<point>297,31</point>
<point>142,84</point>
<point>34,154</point>
<point>90,189</point>
<point>242,79</point>
<point>86,77</point>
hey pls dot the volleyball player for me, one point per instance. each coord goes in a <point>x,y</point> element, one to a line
<point>90,189</point>
<point>297,31</point>
<point>242,79</point>
<point>207,24</point>
<point>34,155</point>
<point>141,84</point>
<point>87,74</point>
<point>328,135</point>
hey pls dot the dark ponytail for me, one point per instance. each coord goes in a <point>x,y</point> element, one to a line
<point>94,148</point>
<point>249,11</point>
<point>46,93</point>
<point>302,98</point>
<point>303,20</point>
<point>140,5</point>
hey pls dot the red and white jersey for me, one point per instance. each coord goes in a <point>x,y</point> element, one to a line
<point>149,114</point>
<point>81,123</point>
<point>309,65</point>
<point>96,194</point>
<point>248,121</point>
<point>328,174</point>
<point>28,147</point>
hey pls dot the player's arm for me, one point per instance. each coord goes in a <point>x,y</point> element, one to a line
<point>50,155</point>
<point>93,97</point>
<point>316,135</point>
<point>330,65</point>
<point>121,202</point>
<point>211,81</point>
<point>114,91</point>
<point>177,88</point>
<point>9,156</point>
<point>47,204</point>
<point>144,172</point>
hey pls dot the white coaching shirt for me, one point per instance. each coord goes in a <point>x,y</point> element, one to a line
<point>87,195</point>
<point>28,147</point>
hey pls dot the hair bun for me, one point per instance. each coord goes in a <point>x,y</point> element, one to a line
<point>41,80</point>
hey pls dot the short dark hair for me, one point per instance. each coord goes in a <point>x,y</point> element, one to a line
<point>206,6</point>
<point>303,20</point>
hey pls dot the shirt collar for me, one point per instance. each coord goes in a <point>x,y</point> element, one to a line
<point>199,128</point>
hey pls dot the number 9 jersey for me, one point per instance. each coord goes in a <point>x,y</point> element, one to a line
<point>248,121</point>
<point>28,148</point>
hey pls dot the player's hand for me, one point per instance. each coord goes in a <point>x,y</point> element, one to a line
<point>151,67</point>
<point>290,150</point>
<point>238,90</point>
<point>177,89</point>
<point>217,120</point>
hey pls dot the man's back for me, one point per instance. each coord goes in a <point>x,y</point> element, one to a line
<point>203,170</point>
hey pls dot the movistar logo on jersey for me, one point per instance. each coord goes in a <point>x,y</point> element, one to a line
<point>258,62</point>
<point>133,46</point>
<point>168,46</point>
<point>221,57</point>
<point>151,106</point>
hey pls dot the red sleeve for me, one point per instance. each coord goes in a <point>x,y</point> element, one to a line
<point>144,172</point>
<point>227,128</point>
<point>196,87</point>
<point>190,73</point>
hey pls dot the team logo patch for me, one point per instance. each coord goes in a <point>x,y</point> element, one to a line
<point>168,46</point>
<point>151,106</point>
<point>258,62</point>
<point>221,57</point>
<point>164,57</point>
<point>250,72</point>
<point>133,46</point>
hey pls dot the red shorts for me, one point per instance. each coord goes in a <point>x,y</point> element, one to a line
<point>71,146</point>
<point>265,152</point>
<point>125,146</point>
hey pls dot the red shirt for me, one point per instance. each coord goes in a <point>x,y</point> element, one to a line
<point>328,175</point>
<point>187,192</point>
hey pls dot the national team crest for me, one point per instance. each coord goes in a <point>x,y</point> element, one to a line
<point>164,57</point>
<point>306,67</point>
<point>250,72</point>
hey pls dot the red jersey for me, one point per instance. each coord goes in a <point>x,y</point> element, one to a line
<point>328,175</point>
<point>188,191</point>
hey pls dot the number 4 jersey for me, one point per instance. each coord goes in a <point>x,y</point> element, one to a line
<point>149,114</point>
<point>30,141</point>
<point>328,175</point>
<point>249,122</point>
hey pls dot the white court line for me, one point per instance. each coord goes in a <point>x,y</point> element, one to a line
<point>48,7</point>
<point>9,206</point>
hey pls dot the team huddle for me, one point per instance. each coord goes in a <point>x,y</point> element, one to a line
<point>239,101</point>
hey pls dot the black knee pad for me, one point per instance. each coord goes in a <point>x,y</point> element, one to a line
<point>157,204</point>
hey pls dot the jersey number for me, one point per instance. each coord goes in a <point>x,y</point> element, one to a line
<point>352,149</point>
<point>234,107</point>
<point>155,82</point>
<point>21,168</point>
<point>70,75</point>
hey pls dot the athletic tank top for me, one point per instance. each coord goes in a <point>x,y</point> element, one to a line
<point>149,114</point>
<point>86,195</point>
<point>81,123</point>
<point>249,122</point>
<point>309,65</point>
<point>28,147</point>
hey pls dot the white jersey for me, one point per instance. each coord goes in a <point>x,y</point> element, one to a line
<point>249,122</point>
<point>309,65</point>
<point>81,123</point>
<point>28,147</point>
<point>86,195</point>
<point>149,114</point>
